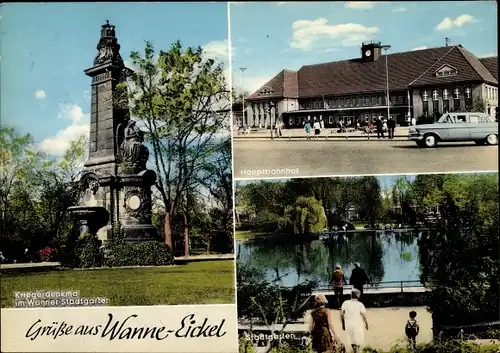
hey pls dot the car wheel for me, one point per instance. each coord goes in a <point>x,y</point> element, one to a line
<point>430,140</point>
<point>492,139</point>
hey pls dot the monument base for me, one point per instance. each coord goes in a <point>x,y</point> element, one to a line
<point>134,233</point>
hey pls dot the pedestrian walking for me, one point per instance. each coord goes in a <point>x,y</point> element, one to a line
<point>391,125</point>
<point>380,127</point>
<point>353,316</point>
<point>359,278</point>
<point>322,329</point>
<point>412,329</point>
<point>338,280</point>
<point>413,121</point>
<point>317,129</point>
<point>307,129</point>
<point>322,126</point>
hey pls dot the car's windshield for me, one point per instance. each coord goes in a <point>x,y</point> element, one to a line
<point>446,118</point>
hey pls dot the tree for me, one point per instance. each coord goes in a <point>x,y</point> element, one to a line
<point>183,101</point>
<point>306,215</point>
<point>478,106</point>
<point>369,199</point>
<point>459,253</point>
<point>35,193</point>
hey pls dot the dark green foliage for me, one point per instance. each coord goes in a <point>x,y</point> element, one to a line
<point>266,301</point>
<point>451,346</point>
<point>90,254</point>
<point>149,253</point>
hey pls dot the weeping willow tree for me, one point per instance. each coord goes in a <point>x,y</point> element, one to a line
<point>306,215</point>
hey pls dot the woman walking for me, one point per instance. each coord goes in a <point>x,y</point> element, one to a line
<point>324,337</point>
<point>307,128</point>
<point>353,315</point>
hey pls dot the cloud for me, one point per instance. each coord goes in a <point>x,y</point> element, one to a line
<point>360,4</point>
<point>79,125</point>
<point>447,23</point>
<point>420,48</point>
<point>307,34</point>
<point>249,83</point>
<point>218,49</point>
<point>40,94</point>
<point>399,9</point>
<point>487,55</point>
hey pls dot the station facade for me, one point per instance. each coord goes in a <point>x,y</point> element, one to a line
<point>421,83</point>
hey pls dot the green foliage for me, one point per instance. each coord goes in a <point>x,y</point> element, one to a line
<point>260,206</point>
<point>245,345</point>
<point>306,215</point>
<point>461,263</point>
<point>149,253</point>
<point>183,100</point>
<point>35,192</point>
<point>451,346</point>
<point>91,254</point>
<point>267,301</point>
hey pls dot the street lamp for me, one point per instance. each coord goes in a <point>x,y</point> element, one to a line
<point>242,69</point>
<point>386,48</point>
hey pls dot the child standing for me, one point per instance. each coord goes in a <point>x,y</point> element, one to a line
<point>412,329</point>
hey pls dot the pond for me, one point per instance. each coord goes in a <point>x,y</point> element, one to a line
<point>386,256</point>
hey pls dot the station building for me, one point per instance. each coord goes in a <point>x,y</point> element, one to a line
<point>421,83</point>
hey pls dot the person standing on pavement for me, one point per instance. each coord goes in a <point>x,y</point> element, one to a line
<point>338,280</point>
<point>391,125</point>
<point>413,121</point>
<point>380,127</point>
<point>359,278</point>
<point>307,129</point>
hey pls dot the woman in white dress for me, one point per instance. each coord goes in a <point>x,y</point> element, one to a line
<point>353,316</point>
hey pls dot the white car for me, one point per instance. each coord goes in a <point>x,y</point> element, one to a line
<point>456,127</point>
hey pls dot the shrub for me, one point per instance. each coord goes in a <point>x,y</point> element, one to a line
<point>47,254</point>
<point>148,253</point>
<point>90,254</point>
<point>450,346</point>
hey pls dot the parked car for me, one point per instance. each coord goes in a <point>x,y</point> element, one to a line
<point>456,127</point>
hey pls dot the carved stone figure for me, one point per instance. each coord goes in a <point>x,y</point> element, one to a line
<point>108,47</point>
<point>93,185</point>
<point>132,148</point>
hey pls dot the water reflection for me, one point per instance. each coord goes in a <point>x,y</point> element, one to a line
<point>386,256</point>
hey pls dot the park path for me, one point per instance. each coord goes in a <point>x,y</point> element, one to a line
<point>386,326</point>
<point>177,259</point>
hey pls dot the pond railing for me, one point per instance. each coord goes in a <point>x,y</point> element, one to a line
<point>386,287</point>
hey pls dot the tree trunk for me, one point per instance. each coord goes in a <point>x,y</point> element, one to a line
<point>186,235</point>
<point>167,230</point>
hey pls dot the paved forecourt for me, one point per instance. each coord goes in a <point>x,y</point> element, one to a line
<point>386,326</point>
<point>293,158</point>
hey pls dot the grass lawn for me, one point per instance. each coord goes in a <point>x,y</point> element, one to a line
<point>210,282</point>
<point>247,235</point>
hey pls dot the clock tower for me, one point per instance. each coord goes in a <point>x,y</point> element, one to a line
<point>370,52</point>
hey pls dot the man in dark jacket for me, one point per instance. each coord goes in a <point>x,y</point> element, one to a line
<point>380,127</point>
<point>359,277</point>
<point>391,126</point>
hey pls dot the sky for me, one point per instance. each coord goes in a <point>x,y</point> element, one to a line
<point>268,37</point>
<point>46,47</point>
